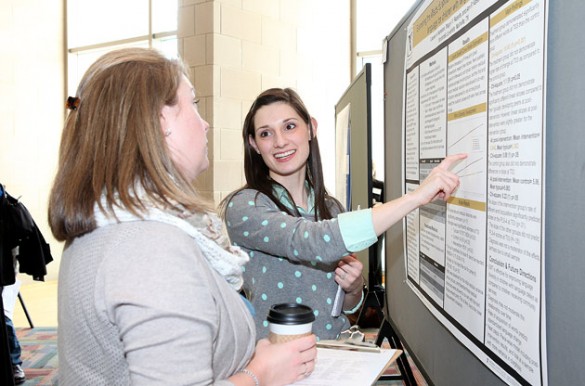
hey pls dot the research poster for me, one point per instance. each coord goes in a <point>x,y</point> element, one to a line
<point>474,82</point>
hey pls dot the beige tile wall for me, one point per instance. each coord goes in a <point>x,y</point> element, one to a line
<point>236,49</point>
<point>32,100</point>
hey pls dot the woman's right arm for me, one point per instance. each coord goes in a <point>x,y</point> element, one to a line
<point>255,222</point>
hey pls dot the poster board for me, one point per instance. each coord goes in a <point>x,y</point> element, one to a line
<point>437,350</point>
<point>353,134</point>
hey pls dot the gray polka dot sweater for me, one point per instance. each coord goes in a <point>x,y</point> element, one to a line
<point>292,259</point>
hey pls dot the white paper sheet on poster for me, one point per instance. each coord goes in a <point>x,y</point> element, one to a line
<point>475,83</point>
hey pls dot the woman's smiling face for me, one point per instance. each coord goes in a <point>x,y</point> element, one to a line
<point>282,139</point>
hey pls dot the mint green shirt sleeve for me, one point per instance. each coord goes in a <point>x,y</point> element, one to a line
<point>357,229</point>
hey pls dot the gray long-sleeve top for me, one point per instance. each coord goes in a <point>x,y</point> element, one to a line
<point>139,304</point>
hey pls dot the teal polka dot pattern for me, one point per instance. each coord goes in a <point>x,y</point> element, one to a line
<point>275,272</point>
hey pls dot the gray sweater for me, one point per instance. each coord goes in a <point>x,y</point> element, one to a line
<point>139,304</point>
<point>292,259</point>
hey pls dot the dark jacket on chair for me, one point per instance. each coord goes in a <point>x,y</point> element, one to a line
<point>18,229</point>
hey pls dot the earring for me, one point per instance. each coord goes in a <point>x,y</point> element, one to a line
<point>168,132</point>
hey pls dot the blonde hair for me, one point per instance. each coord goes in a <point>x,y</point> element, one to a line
<point>112,144</point>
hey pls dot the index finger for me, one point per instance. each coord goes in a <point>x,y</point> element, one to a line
<point>451,160</point>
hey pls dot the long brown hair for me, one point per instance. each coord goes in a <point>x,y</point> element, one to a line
<point>112,143</point>
<point>257,172</point>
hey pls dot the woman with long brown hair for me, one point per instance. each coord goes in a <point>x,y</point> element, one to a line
<point>299,239</point>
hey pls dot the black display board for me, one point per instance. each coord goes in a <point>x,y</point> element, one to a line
<point>441,358</point>
<point>358,97</point>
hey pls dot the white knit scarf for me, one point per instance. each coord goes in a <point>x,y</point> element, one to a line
<point>205,229</point>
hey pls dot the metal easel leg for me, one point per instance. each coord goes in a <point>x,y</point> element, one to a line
<point>30,323</point>
<point>386,331</point>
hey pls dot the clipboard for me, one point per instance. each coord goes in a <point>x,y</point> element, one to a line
<point>349,368</point>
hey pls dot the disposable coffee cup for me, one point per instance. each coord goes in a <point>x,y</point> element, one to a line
<point>288,321</point>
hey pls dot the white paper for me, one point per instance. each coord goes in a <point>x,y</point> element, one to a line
<point>348,368</point>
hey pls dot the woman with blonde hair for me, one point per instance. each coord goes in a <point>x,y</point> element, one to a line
<point>148,283</point>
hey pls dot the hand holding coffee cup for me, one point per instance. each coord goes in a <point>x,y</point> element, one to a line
<point>288,321</point>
